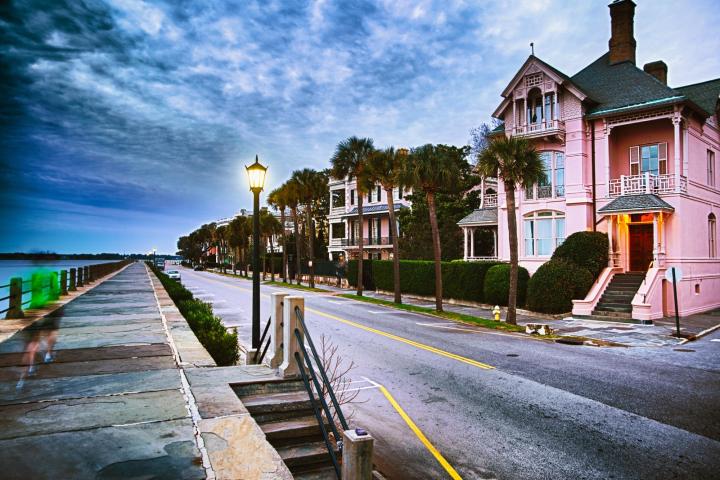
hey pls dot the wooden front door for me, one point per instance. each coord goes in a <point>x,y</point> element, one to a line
<point>641,247</point>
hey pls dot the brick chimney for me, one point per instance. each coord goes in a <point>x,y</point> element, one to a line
<point>622,42</point>
<point>658,70</point>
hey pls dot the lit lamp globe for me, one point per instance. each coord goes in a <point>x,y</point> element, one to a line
<point>256,175</point>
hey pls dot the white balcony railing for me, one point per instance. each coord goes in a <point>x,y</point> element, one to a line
<point>540,128</point>
<point>489,200</point>
<point>646,183</point>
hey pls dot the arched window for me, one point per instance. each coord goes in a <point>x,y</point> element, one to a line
<point>534,106</point>
<point>712,236</point>
<point>543,232</point>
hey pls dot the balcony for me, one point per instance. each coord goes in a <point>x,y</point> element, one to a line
<point>353,242</point>
<point>646,183</point>
<point>547,128</point>
<point>489,201</point>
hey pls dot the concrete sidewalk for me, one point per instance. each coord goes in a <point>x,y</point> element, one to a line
<point>96,390</point>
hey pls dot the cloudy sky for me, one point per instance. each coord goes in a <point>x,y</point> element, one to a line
<point>124,124</point>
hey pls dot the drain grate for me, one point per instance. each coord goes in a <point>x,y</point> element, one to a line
<point>512,355</point>
<point>683,350</point>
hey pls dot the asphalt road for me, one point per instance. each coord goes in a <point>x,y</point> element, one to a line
<point>543,410</point>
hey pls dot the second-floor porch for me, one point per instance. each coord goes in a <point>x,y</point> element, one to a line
<point>647,183</point>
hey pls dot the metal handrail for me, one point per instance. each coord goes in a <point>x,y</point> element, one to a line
<point>6,298</point>
<point>262,339</point>
<point>5,286</point>
<point>316,411</point>
<point>321,369</point>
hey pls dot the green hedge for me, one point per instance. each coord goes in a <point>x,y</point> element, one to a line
<point>497,285</point>
<point>209,330</point>
<point>351,272</point>
<point>588,250</point>
<point>555,284</point>
<point>461,280</point>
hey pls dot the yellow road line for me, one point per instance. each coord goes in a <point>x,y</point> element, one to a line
<point>421,436</point>
<point>421,346</point>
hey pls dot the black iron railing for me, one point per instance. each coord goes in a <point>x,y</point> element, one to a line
<point>321,386</point>
<point>267,344</point>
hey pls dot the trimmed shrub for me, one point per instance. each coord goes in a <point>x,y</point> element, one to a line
<point>209,330</point>
<point>588,250</point>
<point>555,284</point>
<point>461,280</point>
<point>497,285</point>
<point>351,272</point>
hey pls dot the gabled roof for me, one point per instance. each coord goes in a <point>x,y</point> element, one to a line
<point>621,85</point>
<point>558,76</point>
<point>646,202</point>
<point>705,95</point>
<point>481,216</point>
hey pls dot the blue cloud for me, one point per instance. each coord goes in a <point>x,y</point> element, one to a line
<point>141,115</point>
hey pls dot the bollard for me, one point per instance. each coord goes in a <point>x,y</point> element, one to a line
<point>276,328</point>
<point>63,282</point>
<point>73,281</point>
<point>87,274</point>
<point>357,455</point>
<point>36,288</point>
<point>289,367</point>
<point>15,299</point>
<point>80,277</point>
<point>54,292</point>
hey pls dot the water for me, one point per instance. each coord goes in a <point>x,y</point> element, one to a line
<point>25,268</point>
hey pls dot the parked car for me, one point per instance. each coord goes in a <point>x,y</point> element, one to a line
<point>199,268</point>
<point>174,275</point>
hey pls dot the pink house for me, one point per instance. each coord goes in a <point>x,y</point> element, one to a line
<point>627,155</point>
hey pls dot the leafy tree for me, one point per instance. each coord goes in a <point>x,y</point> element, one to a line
<point>435,169</point>
<point>350,160</point>
<point>384,167</point>
<point>515,162</point>
<point>313,185</point>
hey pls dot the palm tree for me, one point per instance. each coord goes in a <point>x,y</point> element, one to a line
<point>269,227</point>
<point>350,159</point>
<point>517,163</point>
<point>278,200</point>
<point>220,236</point>
<point>313,185</point>
<point>240,230</point>
<point>435,169</point>
<point>384,167</point>
<point>292,190</point>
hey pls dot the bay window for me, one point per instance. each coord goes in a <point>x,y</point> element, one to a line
<point>553,185</point>
<point>543,232</point>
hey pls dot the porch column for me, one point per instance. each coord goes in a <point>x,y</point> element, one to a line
<point>676,145</point>
<point>686,148</point>
<point>515,122</point>
<point>495,242</point>
<point>611,252</point>
<point>557,105</point>
<point>465,245</point>
<point>656,240</point>
<point>606,143</point>
<point>482,192</point>
<point>472,242</point>
<point>525,119</point>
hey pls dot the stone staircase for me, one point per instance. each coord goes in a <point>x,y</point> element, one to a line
<point>283,411</point>
<point>616,301</point>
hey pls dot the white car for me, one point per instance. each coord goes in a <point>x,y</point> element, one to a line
<point>173,274</point>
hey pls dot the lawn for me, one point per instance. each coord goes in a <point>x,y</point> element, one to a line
<point>457,317</point>
<point>296,287</point>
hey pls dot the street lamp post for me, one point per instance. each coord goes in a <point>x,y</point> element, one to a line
<point>256,176</point>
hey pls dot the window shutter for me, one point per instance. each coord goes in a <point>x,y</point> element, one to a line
<point>634,160</point>
<point>662,158</point>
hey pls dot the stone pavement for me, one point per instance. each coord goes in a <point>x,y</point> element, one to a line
<point>95,390</point>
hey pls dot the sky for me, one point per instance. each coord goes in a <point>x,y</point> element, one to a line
<point>125,124</point>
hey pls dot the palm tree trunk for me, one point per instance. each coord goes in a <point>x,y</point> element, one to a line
<point>394,235</point>
<point>436,251</point>
<point>272,262</point>
<point>311,247</point>
<point>512,237</point>
<point>361,244</point>
<point>284,245</point>
<point>297,245</point>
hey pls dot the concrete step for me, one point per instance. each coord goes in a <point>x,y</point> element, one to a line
<point>612,313</point>
<point>278,406</point>
<point>617,298</point>
<point>613,318</point>
<point>291,429</point>
<point>299,457</point>
<point>322,473</point>
<point>614,307</point>
<point>622,288</point>
<point>273,386</point>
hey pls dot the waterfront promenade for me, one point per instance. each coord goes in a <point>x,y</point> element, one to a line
<point>100,388</point>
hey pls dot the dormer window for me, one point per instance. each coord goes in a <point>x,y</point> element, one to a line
<point>540,108</point>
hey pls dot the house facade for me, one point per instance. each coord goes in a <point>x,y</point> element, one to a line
<point>627,155</point>
<point>344,226</point>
